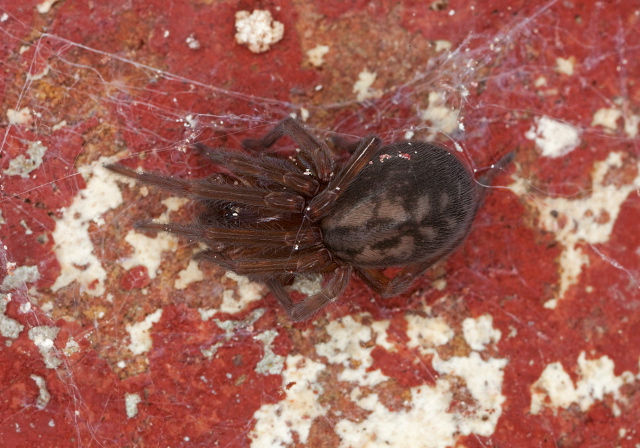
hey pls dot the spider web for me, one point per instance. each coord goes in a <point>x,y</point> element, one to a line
<point>117,339</point>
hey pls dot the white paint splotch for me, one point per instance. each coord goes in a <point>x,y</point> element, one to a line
<point>191,274</point>
<point>350,345</point>
<point>439,115</point>
<point>596,378</point>
<point>236,300</point>
<point>363,87</point>
<point>428,420</point>
<point>147,251</point>
<point>610,119</point>
<point>316,55</point>
<point>20,117</point>
<point>140,333</point>
<point>554,138</point>
<point>276,423</point>
<point>589,220</point>
<point>479,332</point>
<point>426,333</point>
<point>431,417</point>
<point>73,247</point>
<point>427,423</point>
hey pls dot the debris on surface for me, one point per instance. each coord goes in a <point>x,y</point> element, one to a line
<point>258,31</point>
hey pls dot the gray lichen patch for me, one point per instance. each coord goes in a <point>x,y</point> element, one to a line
<point>43,338</point>
<point>229,327</point>
<point>270,364</point>
<point>19,276</point>
<point>22,166</point>
<point>43,393</point>
<point>9,328</point>
<point>131,404</point>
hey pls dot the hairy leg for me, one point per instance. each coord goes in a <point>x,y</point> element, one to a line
<point>312,304</point>
<point>313,154</point>
<point>251,237</point>
<point>390,287</point>
<point>486,177</point>
<point>339,143</point>
<point>265,266</point>
<point>273,170</point>
<point>203,189</point>
<point>320,206</point>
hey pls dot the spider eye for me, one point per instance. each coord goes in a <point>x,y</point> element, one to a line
<point>231,215</point>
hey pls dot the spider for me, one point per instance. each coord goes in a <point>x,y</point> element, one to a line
<point>404,205</point>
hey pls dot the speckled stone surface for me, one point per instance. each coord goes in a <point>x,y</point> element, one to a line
<point>527,336</point>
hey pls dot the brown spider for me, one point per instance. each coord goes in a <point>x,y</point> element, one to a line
<point>407,205</point>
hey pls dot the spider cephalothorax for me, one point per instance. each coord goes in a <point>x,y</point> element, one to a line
<point>406,205</point>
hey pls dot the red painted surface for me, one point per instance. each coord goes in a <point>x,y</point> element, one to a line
<point>135,278</point>
<point>124,88</point>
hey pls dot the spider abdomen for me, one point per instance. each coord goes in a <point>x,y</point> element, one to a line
<point>413,202</point>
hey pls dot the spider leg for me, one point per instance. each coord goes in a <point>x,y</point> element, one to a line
<point>313,154</point>
<point>486,178</point>
<point>277,289</point>
<point>229,236</point>
<point>274,170</point>
<point>339,143</point>
<point>312,304</point>
<point>313,260</point>
<point>320,206</point>
<point>390,287</point>
<point>279,200</point>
